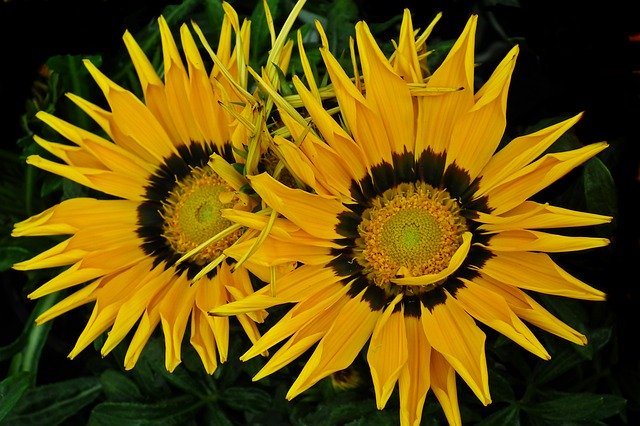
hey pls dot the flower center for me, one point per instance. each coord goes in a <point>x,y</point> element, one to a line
<point>192,215</point>
<point>410,230</point>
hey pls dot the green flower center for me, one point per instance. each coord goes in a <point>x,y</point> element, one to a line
<point>410,230</point>
<point>192,215</point>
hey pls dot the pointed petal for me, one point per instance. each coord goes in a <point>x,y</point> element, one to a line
<point>520,152</point>
<point>79,298</point>
<point>443,384</point>
<point>305,327</point>
<point>491,309</point>
<point>304,312</point>
<point>362,120</point>
<point>532,215</point>
<point>415,378</point>
<point>537,272</point>
<point>477,133</point>
<point>387,92</point>
<point>176,86</point>
<point>453,333</point>
<point>531,311</point>
<point>437,114</point>
<point>152,281</point>
<point>537,176</point>
<point>388,353</point>
<point>525,240</point>
<point>175,310</point>
<point>297,205</point>
<point>333,133</point>
<point>128,112</point>
<point>339,347</point>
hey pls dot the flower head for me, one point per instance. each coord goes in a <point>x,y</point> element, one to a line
<point>152,252</point>
<point>413,227</point>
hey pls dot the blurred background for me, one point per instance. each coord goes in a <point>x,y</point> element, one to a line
<point>575,56</point>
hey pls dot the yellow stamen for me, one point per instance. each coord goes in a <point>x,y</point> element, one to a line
<point>411,230</point>
<point>193,224</point>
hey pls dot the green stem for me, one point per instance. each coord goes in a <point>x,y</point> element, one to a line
<point>28,358</point>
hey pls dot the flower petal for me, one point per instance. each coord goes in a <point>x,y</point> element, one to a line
<point>537,272</point>
<point>453,333</point>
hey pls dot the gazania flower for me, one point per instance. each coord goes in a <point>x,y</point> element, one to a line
<point>153,251</point>
<point>417,228</point>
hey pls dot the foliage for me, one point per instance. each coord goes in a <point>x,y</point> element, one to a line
<point>579,385</point>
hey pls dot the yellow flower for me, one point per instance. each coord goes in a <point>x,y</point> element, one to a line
<point>415,229</point>
<point>153,252</point>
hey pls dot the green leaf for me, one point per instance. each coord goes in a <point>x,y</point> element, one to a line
<point>213,415</point>
<point>119,387</point>
<point>559,364</point>
<point>10,255</point>
<point>335,412</point>
<point>577,407</point>
<point>52,404</point>
<point>175,411</point>
<point>507,416</point>
<point>11,390</point>
<point>599,188</point>
<point>248,400</point>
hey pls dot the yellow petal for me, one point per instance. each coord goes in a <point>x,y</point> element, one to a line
<point>326,301</point>
<point>333,133</point>
<point>491,309</point>
<point>305,337</point>
<point>532,215</point>
<point>292,287</point>
<point>211,119</point>
<point>537,176</point>
<point>273,252</point>
<point>477,133</point>
<point>520,152</point>
<point>203,340</point>
<point>339,347</point>
<point>443,384</point>
<point>132,118</point>
<point>176,87</point>
<point>405,61</point>
<point>537,272</point>
<point>414,380</point>
<point>151,281</point>
<point>297,205</point>
<point>388,352</point>
<point>79,298</point>
<point>362,119</point>
<point>175,310</point>
<point>453,333</point>
<point>525,240</point>
<point>437,114</point>
<point>531,311</point>
<point>387,92</point>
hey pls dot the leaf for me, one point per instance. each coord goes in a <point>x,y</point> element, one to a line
<point>559,364</point>
<point>577,407</point>
<point>119,387</point>
<point>12,254</point>
<point>507,416</point>
<point>11,390</point>
<point>247,400</point>
<point>52,404</point>
<point>176,411</point>
<point>599,188</point>
<point>335,412</point>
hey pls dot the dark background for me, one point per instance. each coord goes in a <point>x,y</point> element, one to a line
<point>575,56</point>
